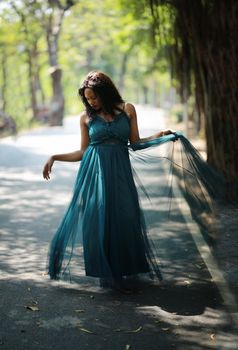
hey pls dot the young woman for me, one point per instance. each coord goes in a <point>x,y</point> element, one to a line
<point>104,212</point>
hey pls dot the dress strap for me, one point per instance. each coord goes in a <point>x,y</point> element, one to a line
<point>124,106</point>
<point>124,110</point>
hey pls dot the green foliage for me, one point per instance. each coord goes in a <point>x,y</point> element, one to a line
<point>112,36</point>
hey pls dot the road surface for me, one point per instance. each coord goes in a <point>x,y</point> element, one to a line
<point>186,312</point>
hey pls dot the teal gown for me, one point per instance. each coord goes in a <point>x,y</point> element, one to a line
<point>104,216</point>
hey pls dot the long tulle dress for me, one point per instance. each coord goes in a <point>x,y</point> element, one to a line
<point>104,216</point>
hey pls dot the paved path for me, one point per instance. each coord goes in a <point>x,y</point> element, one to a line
<point>185,312</point>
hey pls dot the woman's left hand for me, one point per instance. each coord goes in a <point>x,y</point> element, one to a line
<point>167,132</point>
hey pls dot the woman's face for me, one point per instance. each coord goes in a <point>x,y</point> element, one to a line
<point>93,100</point>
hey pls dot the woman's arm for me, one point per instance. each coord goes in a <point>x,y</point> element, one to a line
<point>134,134</point>
<point>72,156</point>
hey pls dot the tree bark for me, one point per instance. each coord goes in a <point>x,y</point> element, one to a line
<point>53,25</point>
<point>219,74</point>
<point>205,35</point>
<point>52,36</point>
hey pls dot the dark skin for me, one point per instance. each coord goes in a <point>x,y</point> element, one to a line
<point>95,102</point>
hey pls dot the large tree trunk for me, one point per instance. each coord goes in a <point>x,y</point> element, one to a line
<point>52,36</point>
<point>215,53</point>
<point>53,28</point>
<point>206,38</point>
<point>57,102</point>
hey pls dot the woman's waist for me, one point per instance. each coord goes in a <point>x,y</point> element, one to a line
<point>114,142</point>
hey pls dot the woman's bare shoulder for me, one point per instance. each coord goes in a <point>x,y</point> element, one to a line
<point>129,108</point>
<point>84,118</point>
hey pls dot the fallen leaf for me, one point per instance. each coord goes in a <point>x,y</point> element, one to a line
<point>198,266</point>
<point>213,336</point>
<point>127,347</point>
<point>165,329</point>
<point>187,282</point>
<point>79,311</point>
<point>117,330</point>
<point>85,330</point>
<point>91,296</point>
<point>135,330</point>
<point>32,308</point>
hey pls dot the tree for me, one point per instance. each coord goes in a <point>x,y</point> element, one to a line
<point>49,16</point>
<point>31,32</point>
<point>40,40</point>
<point>205,60</point>
<point>52,23</point>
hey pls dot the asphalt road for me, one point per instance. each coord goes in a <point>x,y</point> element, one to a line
<point>187,311</point>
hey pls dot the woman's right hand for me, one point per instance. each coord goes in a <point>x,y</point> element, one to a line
<point>47,168</point>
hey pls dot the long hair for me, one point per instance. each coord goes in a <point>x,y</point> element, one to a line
<point>105,89</point>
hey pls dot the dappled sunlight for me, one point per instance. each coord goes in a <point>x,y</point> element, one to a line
<point>174,311</point>
<point>180,56</point>
<point>187,328</point>
<point>152,312</point>
<point>32,208</point>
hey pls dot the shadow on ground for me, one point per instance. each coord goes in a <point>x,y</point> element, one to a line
<point>185,312</point>
<point>157,317</point>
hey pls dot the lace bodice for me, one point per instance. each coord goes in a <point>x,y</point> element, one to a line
<point>116,131</point>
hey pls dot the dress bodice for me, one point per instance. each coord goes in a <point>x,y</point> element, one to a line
<point>115,131</point>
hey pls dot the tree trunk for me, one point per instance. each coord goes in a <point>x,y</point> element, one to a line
<point>121,83</point>
<point>219,72</point>
<point>57,102</point>
<point>205,35</point>
<point>37,83</point>
<point>30,59</point>
<point>4,81</point>
<point>31,53</point>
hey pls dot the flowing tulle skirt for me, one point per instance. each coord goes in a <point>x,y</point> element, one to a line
<point>105,218</point>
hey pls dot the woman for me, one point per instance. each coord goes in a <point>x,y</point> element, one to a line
<point>104,212</point>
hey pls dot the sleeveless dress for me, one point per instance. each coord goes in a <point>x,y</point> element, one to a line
<point>104,216</point>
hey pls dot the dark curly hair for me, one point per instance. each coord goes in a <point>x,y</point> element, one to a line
<point>103,87</point>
